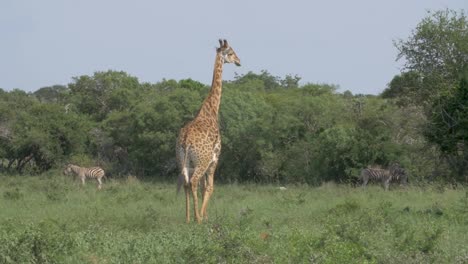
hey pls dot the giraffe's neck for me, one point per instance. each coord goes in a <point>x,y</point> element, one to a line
<point>210,106</point>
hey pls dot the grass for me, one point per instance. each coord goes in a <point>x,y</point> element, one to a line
<point>52,219</point>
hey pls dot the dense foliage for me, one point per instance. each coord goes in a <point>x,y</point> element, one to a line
<point>273,129</point>
<point>435,78</point>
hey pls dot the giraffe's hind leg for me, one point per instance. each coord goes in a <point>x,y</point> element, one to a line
<point>194,181</point>
<point>209,188</point>
<point>184,177</point>
<point>187,202</point>
<point>203,184</point>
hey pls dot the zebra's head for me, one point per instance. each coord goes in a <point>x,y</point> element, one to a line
<point>399,173</point>
<point>404,179</point>
<point>68,169</point>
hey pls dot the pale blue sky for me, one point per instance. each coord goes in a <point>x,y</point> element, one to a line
<point>348,43</point>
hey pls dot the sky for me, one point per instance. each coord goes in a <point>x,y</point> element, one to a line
<point>346,43</point>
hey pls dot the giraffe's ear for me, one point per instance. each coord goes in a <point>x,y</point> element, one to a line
<point>225,44</point>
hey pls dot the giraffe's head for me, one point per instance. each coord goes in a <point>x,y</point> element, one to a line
<point>228,53</point>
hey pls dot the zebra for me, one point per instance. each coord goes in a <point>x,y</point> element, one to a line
<point>398,173</point>
<point>83,173</point>
<point>394,173</point>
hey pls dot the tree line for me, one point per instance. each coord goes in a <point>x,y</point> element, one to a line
<point>274,130</point>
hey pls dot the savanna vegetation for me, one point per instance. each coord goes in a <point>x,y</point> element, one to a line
<point>275,131</point>
<point>50,219</point>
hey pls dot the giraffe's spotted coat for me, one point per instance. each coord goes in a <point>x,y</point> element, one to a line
<point>199,142</point>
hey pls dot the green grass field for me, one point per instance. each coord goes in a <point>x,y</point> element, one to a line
<point>53,220</point>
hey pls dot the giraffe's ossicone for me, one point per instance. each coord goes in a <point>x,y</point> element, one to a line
<point>199,142</point>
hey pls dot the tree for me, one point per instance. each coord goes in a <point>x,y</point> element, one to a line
<point>242,118</point>
<point>51,94</point>
<point>266,82</point>
<point>407,88</point>
<point>435,56</point>
<point>448,127</point>
<point>437,51</point>
<point>146,131</point>
<point>103,92</point>
<point>38,134</point>
<point>191,84</point>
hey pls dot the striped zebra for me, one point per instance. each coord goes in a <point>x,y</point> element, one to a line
<point>83,173</point>
<point>394,173</point>
<point>398,173</point>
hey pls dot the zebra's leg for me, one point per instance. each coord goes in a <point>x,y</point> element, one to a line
<point>365,179</point>
<point>83,180</point>
<point>386,184</point>
<point>99,183</point>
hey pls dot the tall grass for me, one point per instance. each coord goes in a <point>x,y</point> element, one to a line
<point>53,219</point>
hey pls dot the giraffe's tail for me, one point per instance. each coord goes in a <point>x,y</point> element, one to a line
<point>184,174</point>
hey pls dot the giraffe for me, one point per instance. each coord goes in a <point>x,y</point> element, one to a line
<point>199,143</point>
